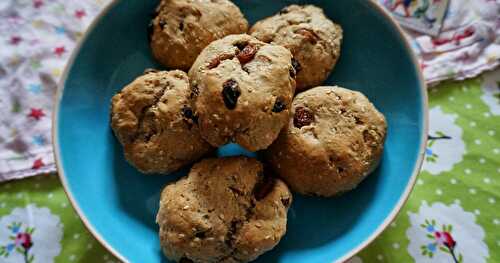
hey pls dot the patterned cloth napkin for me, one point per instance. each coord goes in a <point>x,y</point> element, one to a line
<point>452,214</point>
<point>36,38</point>
<point>468,43</point>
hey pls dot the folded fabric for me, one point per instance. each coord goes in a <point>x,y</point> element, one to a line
<point>468,44</point>
<point>37,37</point>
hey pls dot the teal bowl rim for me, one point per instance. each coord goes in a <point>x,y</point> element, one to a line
<point>402,200</point>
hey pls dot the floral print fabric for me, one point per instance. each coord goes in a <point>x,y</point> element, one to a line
<point>36,39</point>
<point>467,44</point>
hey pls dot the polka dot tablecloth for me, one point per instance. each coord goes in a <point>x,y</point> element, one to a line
<point>453,214</point>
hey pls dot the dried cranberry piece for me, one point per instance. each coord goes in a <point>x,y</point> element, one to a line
<point>217,60</point>
<point>230,93</point>
<point>302,117</point>
<point>247,54</point>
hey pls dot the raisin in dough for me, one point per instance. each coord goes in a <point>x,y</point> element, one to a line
<point>243,89</point>
<point>313,39</point>
<point>225,210</point>
<point>153,119</point>
<point>333,141</point>
<point>182,28</point>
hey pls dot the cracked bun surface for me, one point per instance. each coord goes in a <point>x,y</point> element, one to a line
<point>152,117</point>
<point>242,89</point>
<point>225,210</point>
<point>313,39</point>
<point>182,28</point>
<point>333,140</point>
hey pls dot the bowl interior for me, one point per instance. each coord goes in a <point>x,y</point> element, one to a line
<point>120,204</point>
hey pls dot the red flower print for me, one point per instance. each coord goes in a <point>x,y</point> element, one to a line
<point>37,114</point>
<point>80,13</point>
<point>449,242</point>
<point>24,239</point>
<point>59,50</point>
<point>37,3</point>
<point>37,164</point>
<point>14,40</point>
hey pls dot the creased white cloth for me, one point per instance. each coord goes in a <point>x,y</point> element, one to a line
<point>468,44</point>
<point>36,39</point>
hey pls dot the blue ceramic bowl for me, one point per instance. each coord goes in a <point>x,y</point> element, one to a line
<point>118,204</point>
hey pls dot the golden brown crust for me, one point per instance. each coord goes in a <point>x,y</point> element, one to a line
<point>148,118</point>
<point>335,151</point>
<point>262,83</point>
<point>313,39</point>
<point>215,215</point>
<point>182,28</point>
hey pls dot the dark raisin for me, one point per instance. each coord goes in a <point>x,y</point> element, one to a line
<point>241,45</point>
<point>185,260</point>
<point>263,187</point>
<point>150,70</point>
<point>162,24</point>
<point>200,234</point>
<point>302,117</point>
<point>214,63</point>
<point>181,25</point>
<point>296,65</point>
<point>247,54</point>
<point>151,29</point>
<point>230,93</point>
<point>187,112</point>
<point>279,105</point>
<point>285,201</point>
<point>308,34</point>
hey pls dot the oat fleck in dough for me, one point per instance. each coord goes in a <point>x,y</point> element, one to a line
<point>153,119</point>
<point>332,142</point>
<point>243,89</point>
<point>313,39</point>
<point>225,211</point>
<point>182,28</point>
